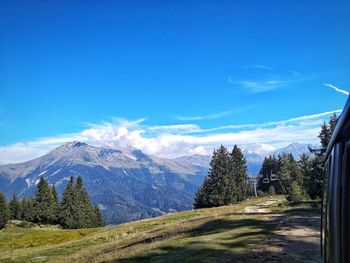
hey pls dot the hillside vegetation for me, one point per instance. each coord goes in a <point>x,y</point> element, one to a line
<point>257,230</point>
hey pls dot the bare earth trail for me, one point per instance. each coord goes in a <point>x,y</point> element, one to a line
<point>296,237</point>
<point>260,208</point>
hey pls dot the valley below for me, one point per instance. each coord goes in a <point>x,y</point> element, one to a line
<point>258,230</point>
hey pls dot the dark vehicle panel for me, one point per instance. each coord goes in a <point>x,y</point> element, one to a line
<point>335,234</point>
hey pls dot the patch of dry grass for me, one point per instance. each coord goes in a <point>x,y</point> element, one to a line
<point>200,235</point>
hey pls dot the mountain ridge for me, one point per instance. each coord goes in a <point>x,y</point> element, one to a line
<point>127,184</point>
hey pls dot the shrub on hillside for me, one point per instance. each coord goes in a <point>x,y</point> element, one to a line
<point>271,190</point>
<point>261,193</point>
<point>296,194</point>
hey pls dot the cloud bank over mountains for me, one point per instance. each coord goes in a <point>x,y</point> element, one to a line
<point>176,140</point>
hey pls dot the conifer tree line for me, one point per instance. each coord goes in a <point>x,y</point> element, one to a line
<point>74,211</point>
<point>226,182</point>
<point>302,179</point>
<point>290,180</point>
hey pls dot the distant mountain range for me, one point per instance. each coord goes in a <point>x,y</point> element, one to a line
<point>296,149</point>
<point>127,184</point>
<point>255,159</point>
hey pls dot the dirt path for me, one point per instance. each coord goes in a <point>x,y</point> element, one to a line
<point>295,236</point>
<point>260,208</point>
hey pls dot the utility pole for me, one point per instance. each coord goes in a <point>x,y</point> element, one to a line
<point>254,185</point>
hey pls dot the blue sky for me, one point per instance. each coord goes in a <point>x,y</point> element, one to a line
<point>168,75</point>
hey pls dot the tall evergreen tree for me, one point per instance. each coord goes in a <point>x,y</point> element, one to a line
<point>283,174</point>
<point>4,211</point>
<point>27,213</point>
<point>201,197</point>
<point>54,193</point>
<point>98,220</point>
<point>44,204</point>
<point>76,208</point>
<point>56,208</point>
<point>85,208</point>
<point>218,177</point>
<point>15,209</point>
<point>212,192</point>
<point>295,178</point>
<point>237,189</point>
<point>226,182</point>
<point>305,164</point>
<point>317,175</point>
<point>68,207</point>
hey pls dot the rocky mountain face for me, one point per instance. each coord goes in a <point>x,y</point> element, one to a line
<point>127,185</point>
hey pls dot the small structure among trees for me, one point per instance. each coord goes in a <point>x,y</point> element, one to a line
<point>226,182</point>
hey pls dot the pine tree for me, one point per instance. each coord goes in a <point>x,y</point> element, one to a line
<point>218,177</point>
<point>44,205</point>
<point>4,211</point>
<point>54,193</point>
<point>27,213</point>
<point>15,209</point>
<point>226,182</point>
<point>76,208</point>
<point>98,220</point>
<point>68,207</point>
<point>325,136</point>
<point>305,165</point>
<point>85,208</point>
<point>316,178</point>
<point>239,176</point>
<point>213,191</point>
<point>290,175</point>
<point>201,197</point>
<point>289,172</point>
<point>56,214</point>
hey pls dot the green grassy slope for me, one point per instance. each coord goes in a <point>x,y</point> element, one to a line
<point>221,234</point>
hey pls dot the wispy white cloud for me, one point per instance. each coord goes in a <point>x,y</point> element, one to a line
<point>216,115</point>
<point>258,86</point>
<point>267,79</point>
<point>178,128</point>
<point>176,140</point>
<point>300,119</point>
<point>259,66</point>
<point>336,88</point>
